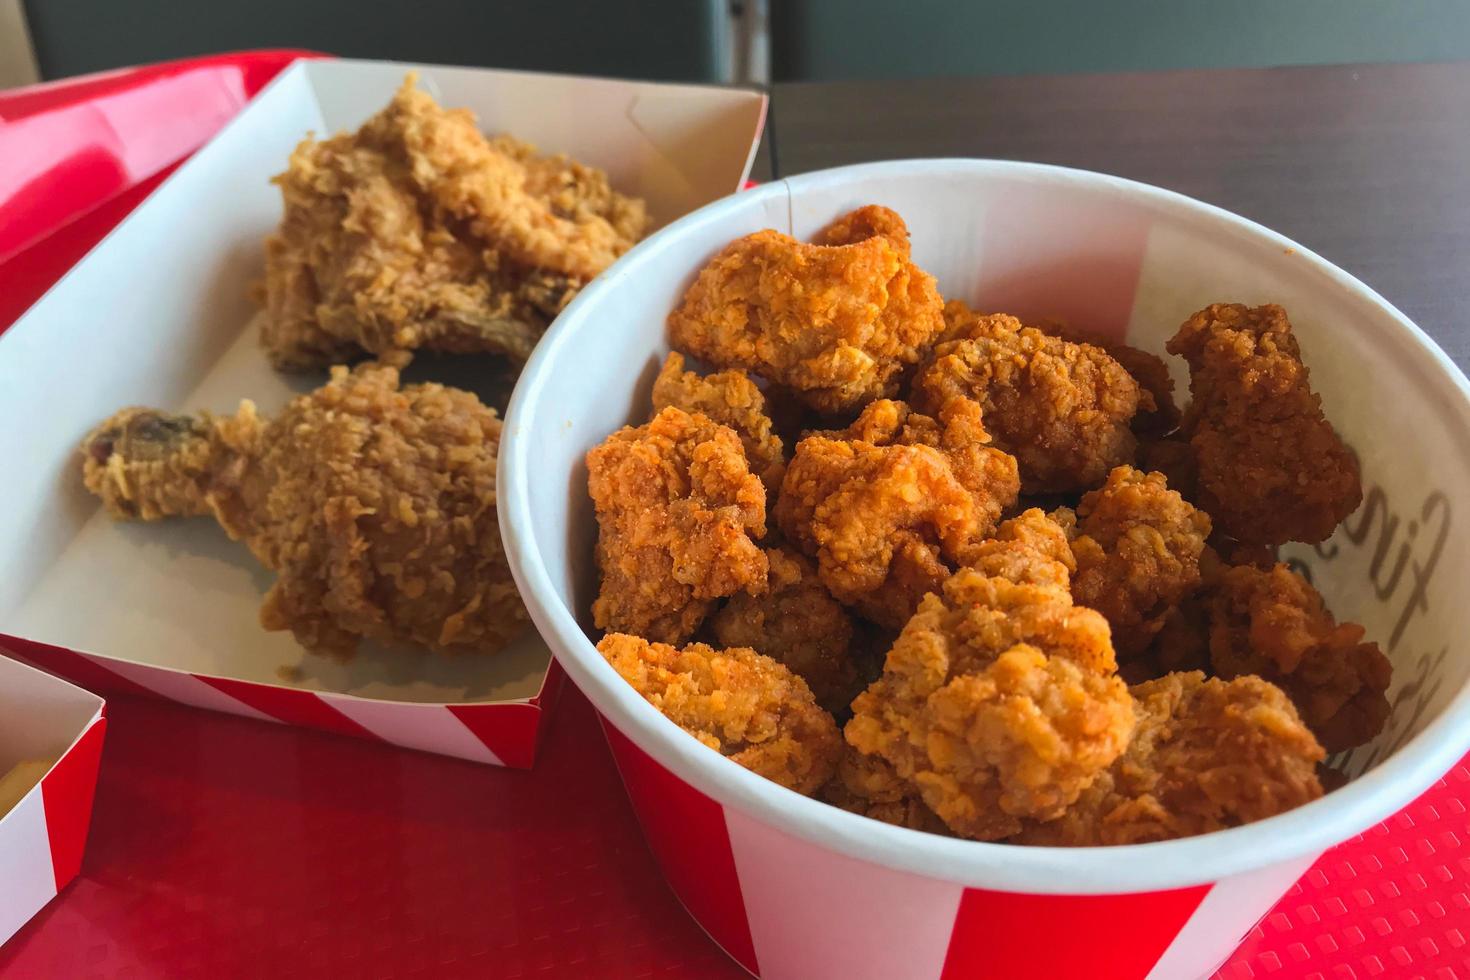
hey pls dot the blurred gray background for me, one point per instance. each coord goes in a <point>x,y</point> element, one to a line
<point>744,41</point>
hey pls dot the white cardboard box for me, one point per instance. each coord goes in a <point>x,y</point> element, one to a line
<point>159,314</point>
<point>42,838</point>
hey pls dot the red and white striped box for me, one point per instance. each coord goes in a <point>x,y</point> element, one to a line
<point>43,837</point>
<point>159,314</point>
<point>791,887</point>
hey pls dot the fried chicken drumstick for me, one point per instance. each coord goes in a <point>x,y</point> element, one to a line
<point>417,231</point>
<point>373,504</point>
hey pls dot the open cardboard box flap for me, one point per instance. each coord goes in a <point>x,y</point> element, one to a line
<point>159,314</point>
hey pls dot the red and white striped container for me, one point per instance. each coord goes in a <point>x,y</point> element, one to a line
<point>159,314</point>
<point>793,888</point>
<point>43,837</point>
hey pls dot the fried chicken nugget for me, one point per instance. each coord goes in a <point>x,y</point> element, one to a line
<point>835,323</point>
<point>1062,409</point>
<point>1138,548</point>
<point>1274,623</point>
<point>677,514</point>
<point>745,706</point>
<point>797,622</point>
<point>889,519</point>
<point>729,398</point>
<point>1157,412</point>
<point>1206,755</point>
<point>998,701</point>
<point>1271,467</point>
<point>870,787</point>
<point>416,231</point>
<point>374,505</point>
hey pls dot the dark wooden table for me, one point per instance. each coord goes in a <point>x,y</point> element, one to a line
<point>1367,165</point>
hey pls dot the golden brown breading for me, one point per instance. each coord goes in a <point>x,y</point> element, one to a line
<point>834,323</point>
<point>730,398</point>
<point>1031,548</point>
<point>877,503</point>
<point>677,509</point>
<point>1275,624</point>
<point>1173,457</point>
<point>416,231</point>
<point>375,506</point>
<point>997,703</point>
<point>1137,546</point>
<point>1062,409</point>
<point>1157,412</point>
<point>1206,755</point>
<point>869,786</point>
<point>1271,468</point>
<point>882,521</point>
<point>743,705</point>
<point>797,622</point>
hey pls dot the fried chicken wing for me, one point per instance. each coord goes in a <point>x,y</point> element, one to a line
<point>1137,547</point>
<point>1274,623</point>
<point>797,622</point>
<point>1206,755</point>
<point>745,706</point>
<point>678,512</point>
<point>1271,467</point>
<point>888,519</point>
<point>835,323</point>
<point>417,231</point>
<point>729,398</point>
<point>374,506</point>
<point>998,701</point>
<point>1062,409</point>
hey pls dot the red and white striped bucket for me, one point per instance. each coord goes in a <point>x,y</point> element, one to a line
<point>791,887</point>
<point>43,837</point>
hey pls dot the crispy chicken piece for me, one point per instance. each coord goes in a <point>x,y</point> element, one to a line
<point>1181,644</point>
<point>374,505</point>
<point>677,513</point>
<point>836,323</point>
<point>797,622</point>
<point>989,473</point>
<point>1062,409</point>
<point>745,706</point>
<point>729,398</point>
<point>1138,547</point>
<point>1271,468</point>
<point>998,701</point>
<point>881,505</point>
<point>1206,755</point>
<point>1157,412</point>
<point>1275,624</point>
<point>1173,457</point>
<point>869,786</point>
<point>417,231</point>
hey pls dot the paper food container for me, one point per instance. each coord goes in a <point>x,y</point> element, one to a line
<point>43,836</point>
<point>791,887</point>
<point>159,314</point>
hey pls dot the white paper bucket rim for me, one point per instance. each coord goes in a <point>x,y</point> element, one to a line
<point>1100,870</point>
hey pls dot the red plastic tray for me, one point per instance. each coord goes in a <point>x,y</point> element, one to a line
<point>223,847</point>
